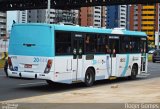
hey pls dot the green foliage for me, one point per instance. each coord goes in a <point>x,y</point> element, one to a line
<point>2,62</point>
<point>150,57</point>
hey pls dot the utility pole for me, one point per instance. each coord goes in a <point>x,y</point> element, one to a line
<point>157,39</point>
<point>158,29</point>
<point>157,33</point>
<point>48,12</point>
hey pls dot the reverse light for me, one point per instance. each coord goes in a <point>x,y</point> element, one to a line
<point>10,63</point>
<point>48,66</point>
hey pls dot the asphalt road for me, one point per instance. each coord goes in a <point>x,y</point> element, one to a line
<point>17,88</point>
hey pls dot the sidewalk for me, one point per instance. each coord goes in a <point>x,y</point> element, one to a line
<point>140,91</point>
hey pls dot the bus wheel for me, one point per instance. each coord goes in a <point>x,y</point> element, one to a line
<point>89,77</point>
<point>134,72</point>
<point>51,83</point>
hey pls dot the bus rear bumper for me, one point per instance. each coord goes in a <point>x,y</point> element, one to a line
<point>29,75</point>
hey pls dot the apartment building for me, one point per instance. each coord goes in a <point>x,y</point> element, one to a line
<point>55,16</point>
<point>22,16</point>
<point>117,16</point>
<point>145,18</point>
<point>3,23</point>
<point>93,16</point>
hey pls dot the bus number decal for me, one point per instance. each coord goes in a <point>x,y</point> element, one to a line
<point>36,60</point>
<point>40,59</point>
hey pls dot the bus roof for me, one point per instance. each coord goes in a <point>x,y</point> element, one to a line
<point>88,29</point>
<point>99,30</point>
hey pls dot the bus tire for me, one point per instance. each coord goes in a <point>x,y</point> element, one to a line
<point>89,77</point>
<point>134,72</point>
<point>6,68</point>
<point>50,83</point>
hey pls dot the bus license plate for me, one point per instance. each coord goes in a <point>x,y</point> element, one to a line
<point>27,66</point>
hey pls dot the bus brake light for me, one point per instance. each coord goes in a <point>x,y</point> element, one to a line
<point>48,67</point>
<point>10,63</point>
<point>49,64</point>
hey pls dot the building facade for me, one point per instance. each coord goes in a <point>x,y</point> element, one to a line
<point>3,23</point>
<point>66,16</point>
<point>22,16</point>
<point>41,16</point>
<point>145,18</point>
<point>117,16</point>
<point>93,16</point>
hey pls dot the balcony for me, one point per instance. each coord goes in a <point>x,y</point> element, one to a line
<point>2,20</point>
<point>2,26</point>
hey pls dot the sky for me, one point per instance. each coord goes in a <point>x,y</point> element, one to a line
<point>11,15</point>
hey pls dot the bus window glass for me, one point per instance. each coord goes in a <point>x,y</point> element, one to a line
<point>63,43</point>
<point>130,44</point>
<point>135,45</point>
<point>100,45</point>
<point>125,44</point>
<point>90,43</point>
<point>114,44</point>
<point>107,48</point>
<point>143,45</point>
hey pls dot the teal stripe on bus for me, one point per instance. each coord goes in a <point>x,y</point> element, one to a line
<point>126,66</point>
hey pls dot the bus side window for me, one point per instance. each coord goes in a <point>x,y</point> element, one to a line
<point>107,49</point>
<point>125,44</point>
<point>90,43</point>
<point>63,43</point>
<point>100,43</point>
<point>114,47</point>
<point>87,41</point>
<point>107,46</point>
<point>114,51</point>
<point>143,46</point>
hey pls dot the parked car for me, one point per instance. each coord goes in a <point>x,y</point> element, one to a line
<point>156,56</point>
<point>151,51</point>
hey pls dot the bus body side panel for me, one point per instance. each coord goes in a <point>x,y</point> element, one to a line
<point>134,59</point>
<point>63,69</point>
<point>114,66</point>
<point>71,70</point>
<point>125,63</point>
<point>101,65</point>
<point>66,70</point>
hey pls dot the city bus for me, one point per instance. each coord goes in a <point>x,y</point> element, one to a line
<point>71,53</point>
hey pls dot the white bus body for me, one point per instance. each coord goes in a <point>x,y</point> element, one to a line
<point>33,53</point>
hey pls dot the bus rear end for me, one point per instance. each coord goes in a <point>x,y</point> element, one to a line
<point>31,51</point>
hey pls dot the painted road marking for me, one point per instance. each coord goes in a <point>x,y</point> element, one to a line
<point>32,83</point>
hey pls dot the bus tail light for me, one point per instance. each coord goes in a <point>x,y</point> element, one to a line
<point>10,63</point>
<point>48,66</point>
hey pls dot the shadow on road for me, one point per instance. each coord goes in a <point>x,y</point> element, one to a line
<point>57,88</point>
<point>42,89</point>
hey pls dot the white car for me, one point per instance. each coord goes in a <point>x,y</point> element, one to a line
<point>151,51</point>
